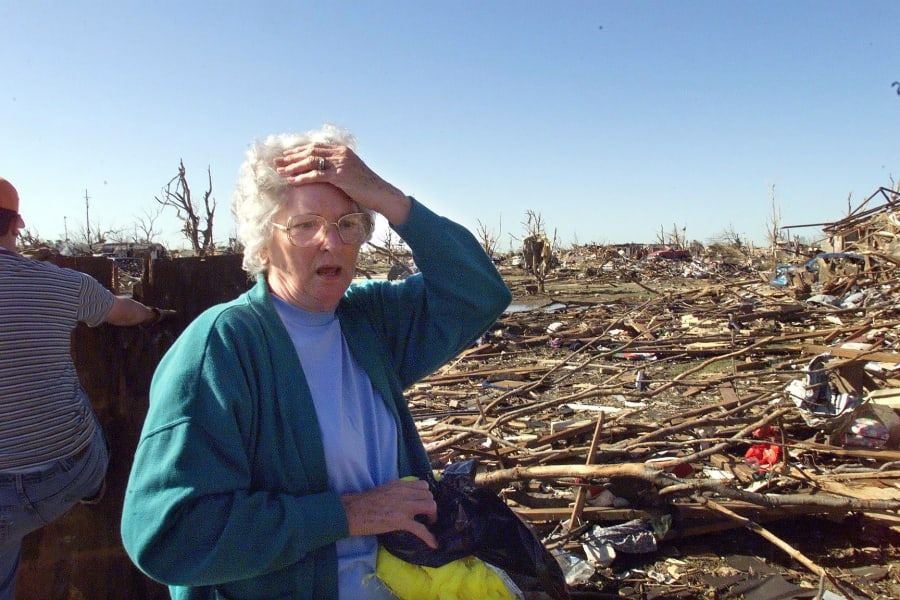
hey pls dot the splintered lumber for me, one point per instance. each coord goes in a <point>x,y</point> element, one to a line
<point>887,357</point>
<point>669,484</point>
<point>730,465</point>
<point>483,374</point>
<point>580,495</point>
<point>881,455</point>
<point>693,519</point>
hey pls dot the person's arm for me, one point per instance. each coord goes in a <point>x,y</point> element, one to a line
<point>127,311</point>
<point>421,322</point>
<point>431,316</point>
<point>97,305</point>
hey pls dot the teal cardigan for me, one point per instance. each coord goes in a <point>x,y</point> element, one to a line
<point>228,494</point>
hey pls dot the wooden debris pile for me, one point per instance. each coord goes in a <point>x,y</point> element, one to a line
<point>873,226</point>
<point>637,403</point>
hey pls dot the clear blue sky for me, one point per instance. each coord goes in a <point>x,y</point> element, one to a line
<point>610,119</point>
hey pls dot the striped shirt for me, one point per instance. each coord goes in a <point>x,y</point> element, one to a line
<point>45,415</point>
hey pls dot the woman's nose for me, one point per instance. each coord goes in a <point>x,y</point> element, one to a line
<point>331,236</point>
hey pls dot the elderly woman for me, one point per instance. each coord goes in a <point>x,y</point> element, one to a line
<point>278,434</point>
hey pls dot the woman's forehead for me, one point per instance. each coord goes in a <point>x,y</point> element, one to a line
<point>317,198</point>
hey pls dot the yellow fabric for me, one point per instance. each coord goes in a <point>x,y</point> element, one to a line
<point>465,579</point>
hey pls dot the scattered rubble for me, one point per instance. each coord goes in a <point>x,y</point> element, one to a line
<point>690,428</point>
<point>638,406</point>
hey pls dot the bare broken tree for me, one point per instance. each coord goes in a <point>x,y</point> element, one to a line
<point>117,236</point>
<point>677,238</point>
<point>29,239</point>
<point>536,248</point>
<point>177,194</point>
<point>661,236</point>
<point>145,226</point>
<point>396,253</point>
<point>773,223</point>
<point>730,237</point>
<point>534,223</point>
<point>93,237</point>
<point>488,238</point>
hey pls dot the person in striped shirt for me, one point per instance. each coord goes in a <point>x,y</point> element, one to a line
<point>52,450</point>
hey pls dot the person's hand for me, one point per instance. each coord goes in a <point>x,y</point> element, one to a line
<point>341,167</point>
<point>391,507</point>
<point>159,315</point>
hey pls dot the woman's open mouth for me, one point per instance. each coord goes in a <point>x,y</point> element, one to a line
<point>328,271</point>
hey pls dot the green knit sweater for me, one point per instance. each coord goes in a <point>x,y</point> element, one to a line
<point>228,494</point>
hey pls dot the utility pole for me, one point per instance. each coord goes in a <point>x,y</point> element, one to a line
<point>87,219</point>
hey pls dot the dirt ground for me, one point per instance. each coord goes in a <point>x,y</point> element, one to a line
<point>681,363</point>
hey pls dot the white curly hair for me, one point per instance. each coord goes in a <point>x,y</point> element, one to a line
<point>260,190</point>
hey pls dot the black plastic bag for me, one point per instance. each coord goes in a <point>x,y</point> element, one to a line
<point>473,521</point>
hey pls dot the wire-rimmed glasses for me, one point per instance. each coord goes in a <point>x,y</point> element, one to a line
<point>310,230</point>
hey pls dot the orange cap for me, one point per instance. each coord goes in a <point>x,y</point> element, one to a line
<point>9,197</point>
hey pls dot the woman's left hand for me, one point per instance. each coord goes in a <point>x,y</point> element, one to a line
<point>393,506</point>
<point>341,167</point>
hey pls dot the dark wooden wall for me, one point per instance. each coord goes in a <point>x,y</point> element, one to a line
<point>80,556</point>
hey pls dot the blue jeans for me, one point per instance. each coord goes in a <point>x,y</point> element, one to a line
<point>28,501</point>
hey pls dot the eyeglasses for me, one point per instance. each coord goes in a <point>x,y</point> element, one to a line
<point>310,230</point>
